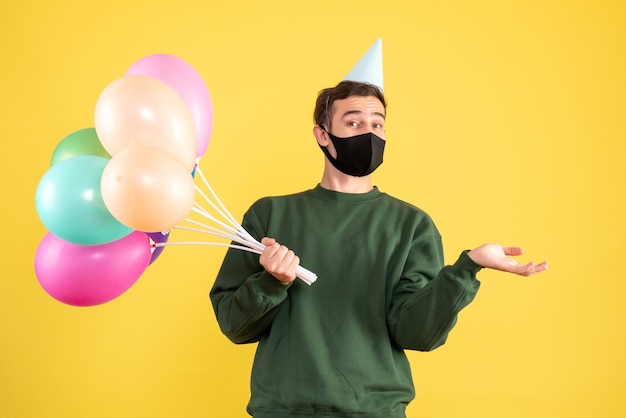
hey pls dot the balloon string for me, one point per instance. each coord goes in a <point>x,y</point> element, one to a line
<point>212,218</point>
<point>302,273</point>
<point>215,232</point>
<point>219,244</point>
<point>232,230</point>
<point>226,214</point>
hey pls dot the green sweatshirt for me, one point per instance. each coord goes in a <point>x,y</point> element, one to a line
<point>336,348</point>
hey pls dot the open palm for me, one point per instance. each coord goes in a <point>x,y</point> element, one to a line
<point>498,257</point>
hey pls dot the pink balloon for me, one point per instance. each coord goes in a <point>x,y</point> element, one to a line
<point>87,275</point>
<point>143,111</point>
<point>189,85</point>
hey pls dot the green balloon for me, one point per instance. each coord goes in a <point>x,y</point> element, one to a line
<point>82,142</point>
<point>69,202</point>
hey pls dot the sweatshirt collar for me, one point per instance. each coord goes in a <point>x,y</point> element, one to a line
<point>334,196</point>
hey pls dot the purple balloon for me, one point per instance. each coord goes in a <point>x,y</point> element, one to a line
<point>157,237</point>
<point>88,275</point>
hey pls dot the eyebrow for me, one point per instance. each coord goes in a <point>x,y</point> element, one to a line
<point>358,112</point>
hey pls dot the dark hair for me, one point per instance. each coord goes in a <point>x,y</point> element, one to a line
<point>343,90</point>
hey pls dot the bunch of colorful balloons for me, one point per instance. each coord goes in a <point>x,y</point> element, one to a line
<point>113,190</point>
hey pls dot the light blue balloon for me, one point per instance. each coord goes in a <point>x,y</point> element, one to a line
<point>69,202</point>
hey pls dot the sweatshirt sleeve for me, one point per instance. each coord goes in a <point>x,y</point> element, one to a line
<point>245,297</point>
<point>427,299</point>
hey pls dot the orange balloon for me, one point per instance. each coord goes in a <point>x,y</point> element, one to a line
<point>144,111</point>
<point>147,189</point>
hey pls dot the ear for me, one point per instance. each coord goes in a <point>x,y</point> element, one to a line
<point>321,136</point>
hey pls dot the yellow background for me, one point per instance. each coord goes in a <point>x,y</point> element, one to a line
<point>506,123</point>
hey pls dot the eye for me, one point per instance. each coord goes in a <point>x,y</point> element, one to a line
<point>353,124</point>
<point>377,126</point>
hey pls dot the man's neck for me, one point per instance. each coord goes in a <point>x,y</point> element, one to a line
<point>343,183</point>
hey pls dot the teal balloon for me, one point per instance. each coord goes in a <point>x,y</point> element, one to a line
<point>82,142</point>
<point>69,202</point>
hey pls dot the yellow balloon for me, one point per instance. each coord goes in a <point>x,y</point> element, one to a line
<point>147,189</point>
<point>144,111</point>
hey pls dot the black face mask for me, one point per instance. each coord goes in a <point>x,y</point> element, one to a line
<point>357,155</point>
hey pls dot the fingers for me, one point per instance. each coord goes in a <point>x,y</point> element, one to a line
<point>541,267</point>
<point>279,261</point>
<point>526,269</point>
<point>532,268</point>
<point>268,241</point>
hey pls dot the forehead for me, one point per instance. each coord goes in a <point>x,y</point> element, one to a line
<point>367,105</point>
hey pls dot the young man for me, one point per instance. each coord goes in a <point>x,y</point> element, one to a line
<point>336,348</point>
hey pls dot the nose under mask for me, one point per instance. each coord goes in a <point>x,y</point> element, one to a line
<point>357,155</point>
